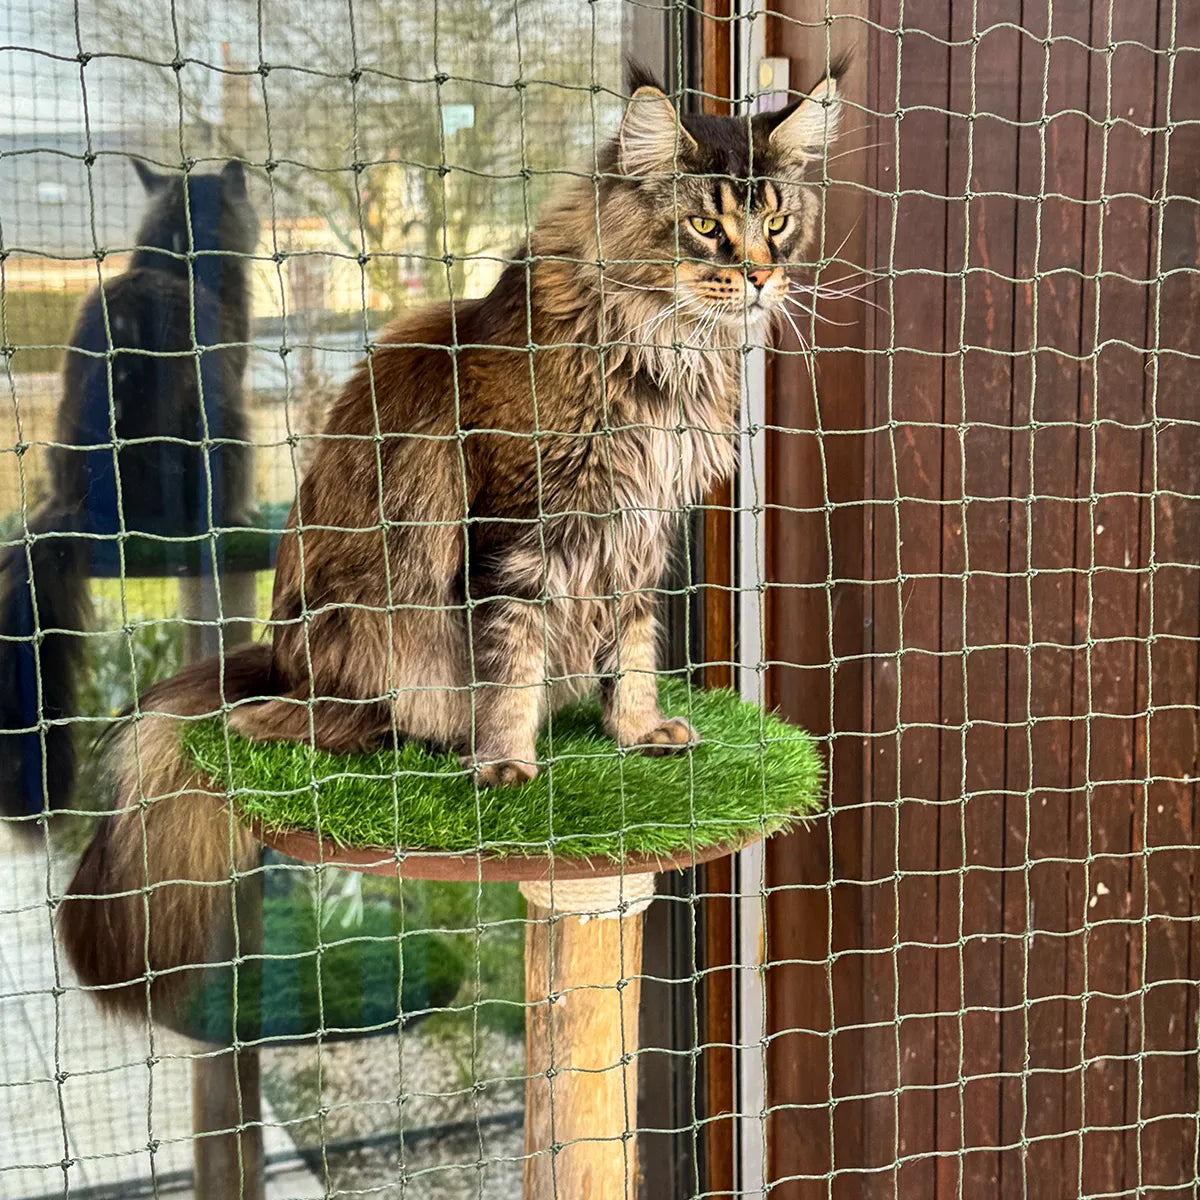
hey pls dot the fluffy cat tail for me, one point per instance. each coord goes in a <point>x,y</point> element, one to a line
<point>43,609</point>
<point>154,899</point>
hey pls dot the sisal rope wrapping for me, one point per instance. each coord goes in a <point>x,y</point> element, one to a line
<point>604,897</point>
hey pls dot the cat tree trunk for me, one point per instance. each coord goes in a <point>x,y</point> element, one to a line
<point>226,1098</point>
<point>583,962</point>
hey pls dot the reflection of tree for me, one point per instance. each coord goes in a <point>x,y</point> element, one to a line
<point>343,105</point>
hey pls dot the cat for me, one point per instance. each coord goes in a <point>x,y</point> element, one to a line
<point>482,528</point>
<point>145,399</point>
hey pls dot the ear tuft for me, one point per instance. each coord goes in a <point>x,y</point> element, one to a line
<point>151,179</point>
<point>652,139</point>
<point>810,125</point>
<point>638,75</point>
<point>234,175</point>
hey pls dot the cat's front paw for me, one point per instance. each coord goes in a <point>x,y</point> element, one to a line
<point>504,773</point>
<point>671,735</point>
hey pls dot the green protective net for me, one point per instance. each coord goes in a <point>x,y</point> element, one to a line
<point>962,549</point>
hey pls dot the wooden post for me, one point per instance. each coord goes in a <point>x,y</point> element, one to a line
<point>583,959</point>
<point>227,1153</point>
<point>226,1096</point>
<point>198,603</point>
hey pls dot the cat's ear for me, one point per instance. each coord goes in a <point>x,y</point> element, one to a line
<point>151,179</point>
<point>651,138</point>
<point>807,127</point>
<point>234,176</point>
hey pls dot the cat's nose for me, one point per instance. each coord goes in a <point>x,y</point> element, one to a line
<point>759,276</point>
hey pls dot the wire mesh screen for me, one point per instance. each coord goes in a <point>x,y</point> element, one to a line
<point>959,545</point>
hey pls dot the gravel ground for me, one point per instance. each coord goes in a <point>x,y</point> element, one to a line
<point>432,1171</point>
<point>427,1077</point>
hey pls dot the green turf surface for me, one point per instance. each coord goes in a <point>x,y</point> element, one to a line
<point>751,775</point>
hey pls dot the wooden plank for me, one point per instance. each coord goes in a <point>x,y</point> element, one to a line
<point>717,84</point>
<point>981,695</point>
<point>1111,610</point>
<point>920,405</point>
<point>879,573</point>
<point>871,1108</point>
<point>814,985</point>
<point>719,1063</point>
<point>1161,1100</point>
<point>881,569</point>
<point>1042,1043</point>
<point>905,551</point>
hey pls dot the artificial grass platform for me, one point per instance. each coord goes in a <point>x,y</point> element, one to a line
<point>752,775</point>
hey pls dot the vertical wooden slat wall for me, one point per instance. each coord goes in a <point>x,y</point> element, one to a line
<point>815,535</point>
<point>984,555</point>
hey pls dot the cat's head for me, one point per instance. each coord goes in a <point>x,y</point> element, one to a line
<point>702,215</point>
<point>196,212</point>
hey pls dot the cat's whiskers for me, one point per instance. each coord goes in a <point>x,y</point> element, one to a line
<point>655,317</point>
<point>641,333</point>
<point>834,294</point>
<point>824,292</point>
<point>819,282</point>
<point>805,348</point>
<point>828,158</point>
<point>649,328</point>
<point>682,305</point>
<point>842,244</point>
<point>607,281</point>
<point>702,334</point>
<point>812,312</point>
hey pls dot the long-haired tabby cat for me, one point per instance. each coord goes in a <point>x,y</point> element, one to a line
<point>155,364</point>
<point>484,524</point>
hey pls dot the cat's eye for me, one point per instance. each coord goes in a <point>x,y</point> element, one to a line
<point>776,223</point>
<point>704,226</point>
